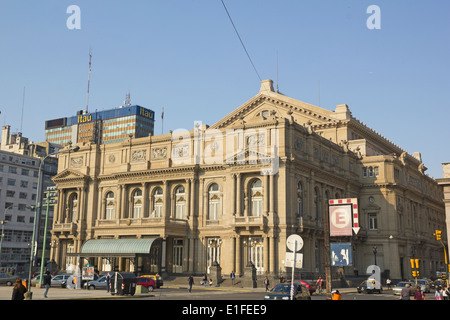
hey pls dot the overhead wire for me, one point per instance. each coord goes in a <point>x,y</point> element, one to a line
<point>240,39</point>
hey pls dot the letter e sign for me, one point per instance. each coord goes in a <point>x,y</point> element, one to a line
<point>341,220</point>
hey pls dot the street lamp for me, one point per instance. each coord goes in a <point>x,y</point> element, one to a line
<point>33,241</point>
<point>375,254</point>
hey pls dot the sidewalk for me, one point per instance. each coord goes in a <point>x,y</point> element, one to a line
<point>56,293</point>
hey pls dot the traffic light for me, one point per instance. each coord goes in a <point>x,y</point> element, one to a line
<point>438,234</point>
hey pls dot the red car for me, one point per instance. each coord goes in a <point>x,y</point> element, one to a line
<point>311,286</point>
<point>148,283</point>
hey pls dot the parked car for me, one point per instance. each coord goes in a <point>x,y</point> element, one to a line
<point>146,282</point>
<point>369,286</point>
<point>157,278</point>
<point>282,291</point>
<point>399,286</point>
<point>311,286</point>
<point>60,280</point>
<point>7,279</point>
<point>96,284</point>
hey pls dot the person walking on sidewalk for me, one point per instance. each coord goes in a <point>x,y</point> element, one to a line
<point>190,282</point>
<point>266,282</point>
<point>47,282</point>
<point>232,276</point>
<point>108,281</point>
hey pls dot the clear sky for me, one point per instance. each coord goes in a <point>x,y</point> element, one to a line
<point>185,56</point>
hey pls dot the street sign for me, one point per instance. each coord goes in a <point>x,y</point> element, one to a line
<point>290,242</point>
<point>289,261</point>
<point>341,254</point>
<point>340,220</point>
<point>342,213</point>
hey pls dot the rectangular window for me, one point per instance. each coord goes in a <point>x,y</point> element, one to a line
<point>373,222</point>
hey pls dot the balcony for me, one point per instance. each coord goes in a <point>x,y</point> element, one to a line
<point>249,221</point>
<point>69,227</point>
<point>140,222</point>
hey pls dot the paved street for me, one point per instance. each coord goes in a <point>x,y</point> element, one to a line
<point>177,292</point>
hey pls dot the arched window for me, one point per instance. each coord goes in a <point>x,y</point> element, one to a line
<point>158,202</point>
<point>214,202</point>
<point>256,198</point>
<point>109,206</point>
<point>137,204</point>
<point>73,207</point>
<point>300,200</point>
<point>180,203</point>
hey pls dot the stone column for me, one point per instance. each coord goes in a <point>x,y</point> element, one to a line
<point>238,269</point>
<point>266,255</point>
<point>272,254</point>
<point>238,195</point>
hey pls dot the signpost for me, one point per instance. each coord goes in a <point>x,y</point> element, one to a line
<point>295,243</point>
<point>340,221</point>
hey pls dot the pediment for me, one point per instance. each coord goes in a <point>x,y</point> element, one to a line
<point>248,155</point>
<point>269,105</point>
<point>68,174</point>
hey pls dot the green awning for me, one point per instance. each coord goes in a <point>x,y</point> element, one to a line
<point>117,247</point>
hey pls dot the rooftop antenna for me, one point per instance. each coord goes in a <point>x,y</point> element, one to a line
<point>127,101</point>
<point>89,80</point>
<point>23,106</point>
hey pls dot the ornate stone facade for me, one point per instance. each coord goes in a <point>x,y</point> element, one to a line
<point>235,191</point>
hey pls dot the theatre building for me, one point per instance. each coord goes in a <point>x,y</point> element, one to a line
<point>233,192</point>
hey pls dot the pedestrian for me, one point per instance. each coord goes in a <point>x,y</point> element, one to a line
<point>47,282</point>
<point>108,281</point>
<point>190,282</point>
<point>444,293</point>
<point>405,293</point>
<point>319,285</point>
<point>437,293</point>
<point>336,295</point>
<point>204,281</point>
<point>388,283</point>
<point>232,276</point>
<point>281,279</point>
<point>419,295</point>
<point>266,282</point>
<point>19,290</point>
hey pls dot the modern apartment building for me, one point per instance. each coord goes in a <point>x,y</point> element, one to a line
<point>19,172</point>
<point>102,127</point>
